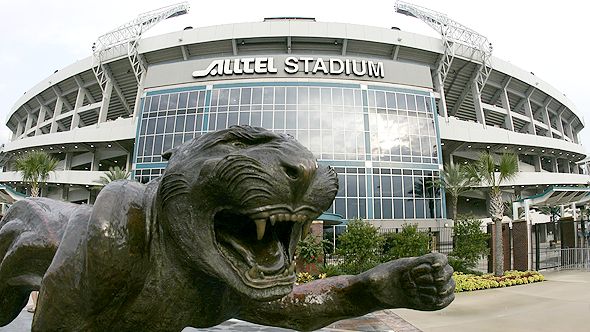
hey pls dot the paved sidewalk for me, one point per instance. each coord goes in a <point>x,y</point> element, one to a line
<point>562,303</point>
<point>384,320</point>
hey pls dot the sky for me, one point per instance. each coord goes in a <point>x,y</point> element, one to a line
<point>545,37</point>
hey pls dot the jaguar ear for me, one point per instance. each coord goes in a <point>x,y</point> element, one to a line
<point>168,153</point>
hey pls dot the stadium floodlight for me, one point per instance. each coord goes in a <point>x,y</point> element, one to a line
<point>123,41</point>
<point>455,37</point>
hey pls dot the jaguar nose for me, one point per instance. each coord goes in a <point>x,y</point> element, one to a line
<point>300,174</point>
<point>301,171</point>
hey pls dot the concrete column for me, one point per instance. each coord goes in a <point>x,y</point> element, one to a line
<point>547,120</point>
<point>442,103</point>
<point>19,130</point>
<point>477,104</point>
<point>574,135</point>
<point>506,105</point>
<point>79,103</point>
<point>569,132</point>
<point>560,124</point>
<point>65,191</point>
<point>95,161</point>
<point>574,212</point>
<point>29,122</point>
<point>529,112</point>
<point>106,99</point>
<point>129,163</point>
<point>576,169</point>
<point>59,103</point>
<point>537,162</point>
<point>40,119</point>
<point>136,109</point>
<point>68,161</point>
<point>554,166</point>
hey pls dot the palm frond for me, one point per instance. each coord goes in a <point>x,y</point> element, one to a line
<point>508,167</point>
<point>114,174</point>
<point>35,167</point>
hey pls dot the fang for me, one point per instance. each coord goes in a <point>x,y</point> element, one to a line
<point>260,228</point>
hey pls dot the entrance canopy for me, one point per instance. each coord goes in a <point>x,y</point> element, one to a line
<point>9,195</point>
<point>555,196</point>
<point>330,219</point>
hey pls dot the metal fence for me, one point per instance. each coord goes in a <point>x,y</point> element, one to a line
<point>574,259</point>
<point>562,259</point>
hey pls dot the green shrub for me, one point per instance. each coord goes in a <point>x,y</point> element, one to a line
<point>310,249</point>
<point>360,247</point>
<point>470,243</point>
<point>408,243</point>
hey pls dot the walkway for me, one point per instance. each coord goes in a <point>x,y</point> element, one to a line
<point>560,304</point>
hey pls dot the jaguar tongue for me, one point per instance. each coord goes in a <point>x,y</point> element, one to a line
<point>266,254</point>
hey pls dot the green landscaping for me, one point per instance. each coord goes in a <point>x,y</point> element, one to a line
<point>471,282</point>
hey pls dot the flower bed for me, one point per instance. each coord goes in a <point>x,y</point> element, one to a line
<point>470,282</point>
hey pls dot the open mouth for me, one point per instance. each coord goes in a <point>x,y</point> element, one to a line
<point>260,245</point>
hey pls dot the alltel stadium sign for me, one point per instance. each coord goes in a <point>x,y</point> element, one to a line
<point>292,65</point>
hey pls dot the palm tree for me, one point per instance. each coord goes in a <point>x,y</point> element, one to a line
<point>456,180</point>
<point>114,173</point>
<point>35,167</point>
<point>491,176</point>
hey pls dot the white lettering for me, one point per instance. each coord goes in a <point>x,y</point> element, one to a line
<point>306,62</point>
<point>271,66</point>
<point>320,65</point>
<point>333,64</point>
<point>237,69</point>
<point>246,65</point>
<point>376,69</point>
<point>359,72</point>
<point>214,68</point>
<point>227,67</point>
<point>291,66</point>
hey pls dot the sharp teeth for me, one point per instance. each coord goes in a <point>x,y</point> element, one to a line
<point>273,218</point>
<point>273,221</point>
<point>260,228</point>
<point>293,217</point>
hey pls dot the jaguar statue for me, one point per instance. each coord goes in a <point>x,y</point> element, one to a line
<point>213,238</point>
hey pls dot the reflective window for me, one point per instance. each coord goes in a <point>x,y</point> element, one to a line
<point>344,125</point>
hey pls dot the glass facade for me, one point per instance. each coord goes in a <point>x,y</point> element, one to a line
<point>382,141</point>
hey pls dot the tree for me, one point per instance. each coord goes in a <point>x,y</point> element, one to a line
<point>491,176</point>
<point>456,180</point>
<point>35,167</point>
<point>470,243</point>
<point>408,243</point>
<point>113,174</point>
<point>360,247</point>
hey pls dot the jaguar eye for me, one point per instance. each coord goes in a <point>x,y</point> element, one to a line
<point>238,144</point>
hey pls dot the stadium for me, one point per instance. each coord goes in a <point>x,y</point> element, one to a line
<point>386,108</point>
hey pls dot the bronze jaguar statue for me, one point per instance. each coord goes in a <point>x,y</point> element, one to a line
<point>213,238</point>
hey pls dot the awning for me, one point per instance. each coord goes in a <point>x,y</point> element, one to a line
<point>9,195</point>
<point>330,219</point>
<point>556,196</point>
